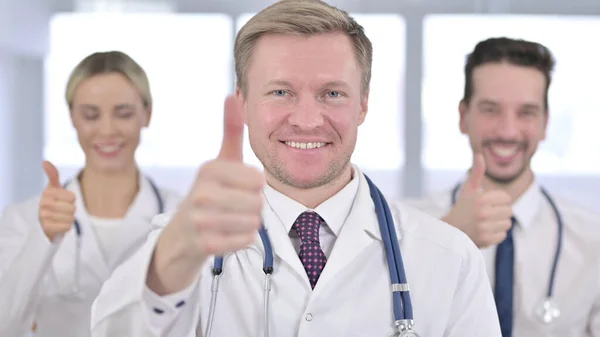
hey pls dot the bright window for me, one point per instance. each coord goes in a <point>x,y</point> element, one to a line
<point>380,139</point>
<point>188,61</point>
<point>572,143</point>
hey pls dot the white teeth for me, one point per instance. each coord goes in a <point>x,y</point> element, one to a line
<point>109,149</point>
<point>505,152</point>
<point>304,146</point>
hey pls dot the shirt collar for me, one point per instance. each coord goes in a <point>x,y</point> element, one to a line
<point>528,204</point>
<point>334,210</point>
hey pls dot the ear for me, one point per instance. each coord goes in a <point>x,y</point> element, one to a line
<point>71,116</point>
<point>364,108</point>
<point>239,93</point>
<point>546,118</point>
<point>148,112</point>
<point>463,110</point>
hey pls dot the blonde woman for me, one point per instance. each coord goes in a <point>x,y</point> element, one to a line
<point>57,249</point>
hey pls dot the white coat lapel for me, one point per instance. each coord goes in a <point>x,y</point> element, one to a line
<point>281,243</point>
<point>360,232</point>
<point>146,204</point>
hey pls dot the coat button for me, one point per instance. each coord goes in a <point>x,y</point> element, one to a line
<point>308,317</point>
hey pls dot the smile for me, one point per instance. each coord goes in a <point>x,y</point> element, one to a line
<point>305,146</point>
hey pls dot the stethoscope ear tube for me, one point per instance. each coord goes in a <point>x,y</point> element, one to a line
<point>400,291</point>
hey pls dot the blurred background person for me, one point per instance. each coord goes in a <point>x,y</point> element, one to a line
<point>542,251</point>
<point>57,249</point>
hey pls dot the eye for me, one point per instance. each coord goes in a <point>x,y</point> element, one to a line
<point>489,109</point>
<point>334,94</point>
<point>529,112</point>
<point>279,92</point>
<point>90,115</point>
<point>124,114</point>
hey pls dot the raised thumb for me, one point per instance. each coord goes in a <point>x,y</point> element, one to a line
<point>475,179</point>
<point>51,173</point>
<point>233,130</point>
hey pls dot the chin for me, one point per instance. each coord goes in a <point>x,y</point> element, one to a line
<point>109,167</point>
<point>504,176</point>
<point>306,176</point>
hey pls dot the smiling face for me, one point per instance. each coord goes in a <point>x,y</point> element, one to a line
<point>303,105</point>
<point>506,118</point>
<point>108,114</point>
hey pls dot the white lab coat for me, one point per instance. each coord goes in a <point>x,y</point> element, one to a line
<point>450,292</point>
<point>35,272</point>
<point>577,284</point>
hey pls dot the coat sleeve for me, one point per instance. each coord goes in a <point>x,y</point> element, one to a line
<point>126,307</point>
<point>25,258</point>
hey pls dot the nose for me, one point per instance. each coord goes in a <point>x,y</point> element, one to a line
<point>307,115</point>
<point>107,125</point>
<point>507,126</point>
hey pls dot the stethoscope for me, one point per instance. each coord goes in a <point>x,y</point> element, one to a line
<point>76,292</point>
<point>403,312</point>
<point>547,311</point>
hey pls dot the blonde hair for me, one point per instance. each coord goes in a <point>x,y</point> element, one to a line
<point>303,17</point>
<point>105,63</point>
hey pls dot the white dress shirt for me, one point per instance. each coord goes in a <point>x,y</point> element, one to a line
<point>577,284</point>
<point>334,211</point>
<point>109,233</point>
<point>450,292</point>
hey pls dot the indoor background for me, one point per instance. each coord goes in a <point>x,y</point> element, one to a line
<point>410,142</point>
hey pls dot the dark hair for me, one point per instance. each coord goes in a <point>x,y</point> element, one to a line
<point>513,51</point>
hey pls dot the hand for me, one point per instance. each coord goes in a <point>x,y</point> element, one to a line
<point>57,205</point>
<point>485,216</point>
<point>222,212</point>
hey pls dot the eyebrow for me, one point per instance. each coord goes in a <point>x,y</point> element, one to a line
<point>124,106</point>
<point>337,83</point>
<point>88,106</point>
<point>526,105</point>
<point>121,106</point>
<point>487,102</point>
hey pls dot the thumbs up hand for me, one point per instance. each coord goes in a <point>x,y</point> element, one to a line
<point>221,213</point>
<point>485,216</point>
<point>57,205</point>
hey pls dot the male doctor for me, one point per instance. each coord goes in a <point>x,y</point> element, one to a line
<point>504,209</point>
<point>303,72</point>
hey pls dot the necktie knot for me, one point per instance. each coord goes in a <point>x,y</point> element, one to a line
<point>307,227</point>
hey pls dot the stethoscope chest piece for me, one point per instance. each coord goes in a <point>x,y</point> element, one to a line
<point>76,293</point>
<point>547,311</point>
<point>406,333</point>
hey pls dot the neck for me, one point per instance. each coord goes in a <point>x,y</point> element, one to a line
<point>313,197</point>
<point>109,195</point>
<point>515,188</point>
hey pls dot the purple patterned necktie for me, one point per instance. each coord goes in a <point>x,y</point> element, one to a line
<point>307,226</point>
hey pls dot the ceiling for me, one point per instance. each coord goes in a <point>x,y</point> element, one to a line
<point>584,7</point>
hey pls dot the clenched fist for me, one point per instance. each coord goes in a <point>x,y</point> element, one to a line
<point>57,205</point>
<point>485,216</point>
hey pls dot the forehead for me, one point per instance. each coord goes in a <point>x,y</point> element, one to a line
<point>303,59</point>
<point>102,87</point>
<point>508,84</point>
